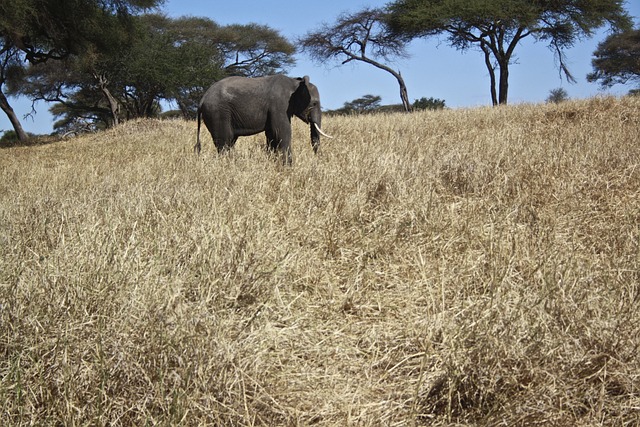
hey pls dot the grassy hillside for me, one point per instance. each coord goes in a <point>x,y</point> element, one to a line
<point>470,267</point>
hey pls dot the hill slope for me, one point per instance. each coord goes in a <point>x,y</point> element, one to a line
<point>476,267</point>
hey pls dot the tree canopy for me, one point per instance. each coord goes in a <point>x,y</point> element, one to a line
<point>496,27</point>
<point>57,28</point>
<point>156,58</point>
<point>364,104</point>
<point>617,59</point>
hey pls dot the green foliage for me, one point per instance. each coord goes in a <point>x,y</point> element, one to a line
<point>616,59</point>
<point>57,28</point>
<point>112,64</point>
<point>196,60</point>
<point>178,59</point>
<point>8,137</point>
<point>428,104</point>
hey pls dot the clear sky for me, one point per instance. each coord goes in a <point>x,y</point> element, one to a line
<point>433,69</point>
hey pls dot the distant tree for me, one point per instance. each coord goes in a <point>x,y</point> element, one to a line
<point>556,96</point>
<point>367,103</point>
<point>360,36</point>
<point>428,104</point>
<point>617,59</point>
<point>496,27</point>
<point>178,59</point>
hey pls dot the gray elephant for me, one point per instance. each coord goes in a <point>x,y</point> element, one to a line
<point>241,106</point>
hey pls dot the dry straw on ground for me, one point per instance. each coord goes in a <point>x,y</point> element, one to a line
<point>468,267</point>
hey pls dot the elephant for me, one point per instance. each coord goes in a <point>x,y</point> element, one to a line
<point>241,106</point>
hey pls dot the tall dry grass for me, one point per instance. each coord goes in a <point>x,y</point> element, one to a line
<point>468,267</point>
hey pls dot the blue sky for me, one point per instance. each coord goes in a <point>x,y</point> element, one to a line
<point>433,69</point>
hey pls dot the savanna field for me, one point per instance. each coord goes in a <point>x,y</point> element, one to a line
<point>474,267</point>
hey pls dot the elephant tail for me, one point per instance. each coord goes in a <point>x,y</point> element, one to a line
<point>198,147</point>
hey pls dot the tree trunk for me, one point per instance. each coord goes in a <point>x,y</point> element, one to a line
<point>493,44</point>
<point>114,106</point>
<point>403,87</point>
<point>492,72</point>
<point>504,83</point>
<point>17,127</point>
<point>403,94</point>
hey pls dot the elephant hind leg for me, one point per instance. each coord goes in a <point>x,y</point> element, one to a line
<point>222,133</point>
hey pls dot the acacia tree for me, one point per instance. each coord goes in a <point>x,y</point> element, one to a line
<point>81,83</point>
<point>617,60</point>
<point>43,30</point>
<point>360,36</point>
<point>496,27</point>
<point>365,104</point>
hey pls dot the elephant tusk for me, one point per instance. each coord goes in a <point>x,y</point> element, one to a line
<point>320,131</point>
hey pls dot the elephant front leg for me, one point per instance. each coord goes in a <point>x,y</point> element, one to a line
<point>281,146</point>
<point>224,145</point>
<point>287,156</point>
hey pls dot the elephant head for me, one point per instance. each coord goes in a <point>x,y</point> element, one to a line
<point>305,104</point>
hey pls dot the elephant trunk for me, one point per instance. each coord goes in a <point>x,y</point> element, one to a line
<point>316,131</point>
<point>315,137</point>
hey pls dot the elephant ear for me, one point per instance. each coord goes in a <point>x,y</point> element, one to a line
<point>304,81</point>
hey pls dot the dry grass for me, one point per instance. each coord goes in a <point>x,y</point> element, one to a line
<point>467,267</point>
